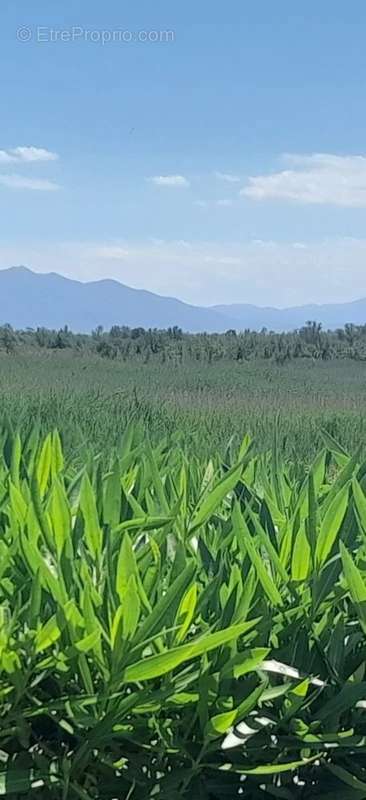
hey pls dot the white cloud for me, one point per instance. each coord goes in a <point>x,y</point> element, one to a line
<point>112,252</point>
<point>183,243</point>
<point>227,261</point>
<point>26,155</point>
<point>318,178</point>
<point>20,182</point>
<point>178,181</point>
<point>226,202</point>
<point>228,177</point>
<point>208,272</point>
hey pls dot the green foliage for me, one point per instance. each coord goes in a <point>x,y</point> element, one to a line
<point>172,344</point>
<point>176,628</point>
<point>91,400</point>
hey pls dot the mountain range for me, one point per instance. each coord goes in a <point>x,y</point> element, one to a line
<point>30,299</point>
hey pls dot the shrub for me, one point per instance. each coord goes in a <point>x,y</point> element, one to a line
<point>174,629</point>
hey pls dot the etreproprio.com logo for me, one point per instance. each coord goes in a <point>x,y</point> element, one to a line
<point>44,34</point>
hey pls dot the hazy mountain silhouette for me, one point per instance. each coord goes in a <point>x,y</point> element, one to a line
<point>30,299</point>
<point>331,315</point>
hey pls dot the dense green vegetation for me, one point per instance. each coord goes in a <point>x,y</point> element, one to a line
<point>91,399</point>
<point>182,611</point>
<point>174,346</point>
<point>176,627</point>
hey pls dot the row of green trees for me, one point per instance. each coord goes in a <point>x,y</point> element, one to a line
<point>310,341</point>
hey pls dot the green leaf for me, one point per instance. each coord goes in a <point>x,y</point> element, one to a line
<point>220,723</point>
<point>331,524</point>
<point>334,447</point>
<point>264,577</point>
<point>356,585</point>
<point>43,469</point>
<point>212,500</point>
<point>131,609</point>
<point>345,700</point>
<point>60,517</point>
<point>186,612</point>
<point>347,778</point>
<point>126,566</point>
<point>47,635</point>
<point>112,497</point>
<point>93,534</point>
<point>18,781</point>
<point>17,503</point>
<point>165,610</point>
<point>57,456</point>
<point>275,769</point>
<point>360,502</point>
<point>301,556</point>
<point>88,642</point>
<point>35,600</point>
<point>16,456</point>
<point>245,662</point>
<point>155,666</point>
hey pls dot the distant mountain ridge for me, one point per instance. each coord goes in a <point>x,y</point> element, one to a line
<point>30,299</point>
<point>331,315</point>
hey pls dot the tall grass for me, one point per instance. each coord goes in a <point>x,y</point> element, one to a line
<point>90,400</point>
<point>176,627</point>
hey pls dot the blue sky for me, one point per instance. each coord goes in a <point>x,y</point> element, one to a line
<point>227,164</point>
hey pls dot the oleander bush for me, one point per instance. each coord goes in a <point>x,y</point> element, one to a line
<point>181,628</point>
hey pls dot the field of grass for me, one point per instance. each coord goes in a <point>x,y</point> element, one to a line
<point>90,400</point>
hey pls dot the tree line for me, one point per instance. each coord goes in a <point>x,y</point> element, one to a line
<point>120,342</point>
